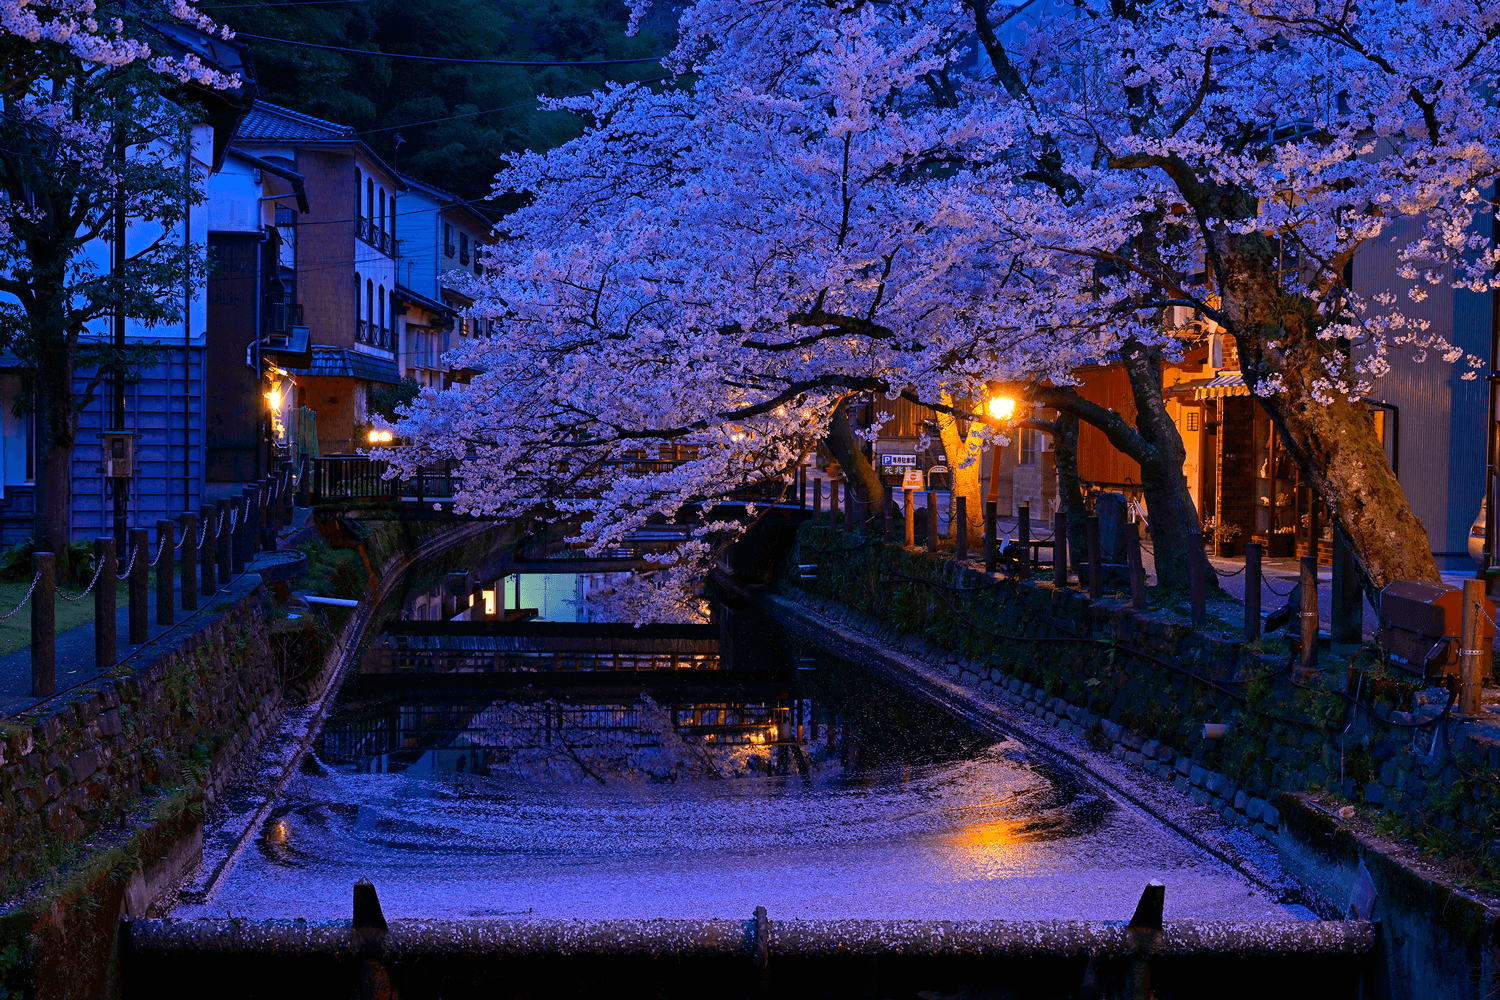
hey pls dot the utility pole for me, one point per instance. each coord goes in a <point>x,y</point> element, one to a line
<point>119,485</point>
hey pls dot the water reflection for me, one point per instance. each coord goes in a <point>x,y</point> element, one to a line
<point>832,795</point>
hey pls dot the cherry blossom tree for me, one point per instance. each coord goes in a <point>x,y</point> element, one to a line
<point>94,131</point>
<point>933,200</point>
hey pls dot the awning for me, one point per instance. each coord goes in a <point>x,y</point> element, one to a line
<point>350,364</point>
<point>290,349</point>
<point>1224,384</point>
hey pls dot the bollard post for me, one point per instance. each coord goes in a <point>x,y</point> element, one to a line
<point>221,546</point>
<point>140,583</point>
<point>1252,591</point>
<point>304,481</point>
<point>207,518</point>
<point>911,517</point>
<point>1023,539</point>
<point>802,485</point>
<point>961,529</point>
<point>166,567</point>
<point>932,522</point>
<point>106,649</point>
<point>265,517</point>
<point>1137,569</point>
<point>289,474</point>
<point>1309,611</point>
<point>833,503</point>
<point>241,540</point>
<point>1347,613</point>
<point>1472,653</point>
<point>1060,550</point>
<point>851,506</point>
<point>1198,579</point>
<point>1096,562</point>
<point>817,500</point>
<point>887,501</point>
<point>252,526</point>
<point>189,586</point>
<point>44,625</point>
<point>991,545</point>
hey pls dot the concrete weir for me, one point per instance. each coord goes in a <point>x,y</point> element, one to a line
<point>406,939</point>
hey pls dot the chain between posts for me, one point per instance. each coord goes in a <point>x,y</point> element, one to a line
<point>29,591</point>
<point>161,547</point>
<point>125,575</point>
<point>97,570</point>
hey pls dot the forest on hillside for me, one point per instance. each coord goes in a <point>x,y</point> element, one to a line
<point>449,125</point>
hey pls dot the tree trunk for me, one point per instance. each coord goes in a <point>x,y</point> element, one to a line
<point>845,447</point>
<point>1334,442</point>
<point>965,458</point>
<point>56,431</point>
<point>1069,486</point>
<point>1174,522</point>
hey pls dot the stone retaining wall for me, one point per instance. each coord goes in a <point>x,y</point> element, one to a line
<point>1144,683</point>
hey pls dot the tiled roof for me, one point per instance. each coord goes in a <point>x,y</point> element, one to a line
<point>350,364</point>
<point>271,122</point>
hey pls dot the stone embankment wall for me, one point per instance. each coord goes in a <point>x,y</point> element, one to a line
<point>1145,683</point>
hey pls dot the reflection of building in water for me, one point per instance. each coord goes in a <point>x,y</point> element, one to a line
<point>566,739</point>
<point>556,597</point>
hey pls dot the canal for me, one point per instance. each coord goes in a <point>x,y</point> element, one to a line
<point>826,793</point>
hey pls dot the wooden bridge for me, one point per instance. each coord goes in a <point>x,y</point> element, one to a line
<point>497,647</point>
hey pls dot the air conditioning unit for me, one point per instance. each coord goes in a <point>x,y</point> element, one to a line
<point>119,454</point>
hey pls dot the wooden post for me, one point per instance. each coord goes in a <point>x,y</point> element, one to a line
<point>911,517</point>
<point>1060,550</point>
<point>887,501</point>
<point>991,545</point>
<point>319,466</point>
<point>1347,612</point>
<point>1023,538</point>
<point>961,529</point>
<point>932,522</point>
<point>817,499</point>
<point>140,583</point>
<point>1096,562</point>
<point>1252,591</point>
<point>851,507</point>
<point>207,515</point>
<point>1472,654</point>
<point>189,586</point>
<point>288,473</point>
<point>106,649</point>
<point>833,503</point>
<point>266,525</point>
<point>166,566</point>
<point>1309,611</point>
<point>802,484</point>
<point>1198,579</point>
<point>1137,570</point>
<point>44,625</point>
<point>476,603</point>
<point>225,559</point>
<point>304,480</point>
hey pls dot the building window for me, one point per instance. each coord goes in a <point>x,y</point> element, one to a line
<point>364,332</point>
<point>382,210</point>
<point>370,197</point>
<point>1030,446</point>
<point>381,341</point>
<point>1192,420</point>
<point>463,248</point>
<point>358,197</point>
<point>447,240</point>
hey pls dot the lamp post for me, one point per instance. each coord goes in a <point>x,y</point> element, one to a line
<point>1001,409</point>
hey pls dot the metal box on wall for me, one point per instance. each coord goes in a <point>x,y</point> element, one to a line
<point>1420,624</point>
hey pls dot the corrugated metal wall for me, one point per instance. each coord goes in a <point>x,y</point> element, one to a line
<point>165,408</point>
<point>1441,417</point>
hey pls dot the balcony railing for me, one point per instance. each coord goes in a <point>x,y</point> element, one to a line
<point>362,332</point>
<point>367,230</point>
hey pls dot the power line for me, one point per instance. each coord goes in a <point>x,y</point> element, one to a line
<point>449,59</point>
<point>287,3</point>
<point>472,114</point>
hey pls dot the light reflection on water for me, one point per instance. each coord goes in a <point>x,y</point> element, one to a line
<point>522,807</point>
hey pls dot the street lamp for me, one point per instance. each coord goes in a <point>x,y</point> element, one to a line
<point>1002,408</point>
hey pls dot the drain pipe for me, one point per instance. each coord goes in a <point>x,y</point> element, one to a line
<point>332,602</point>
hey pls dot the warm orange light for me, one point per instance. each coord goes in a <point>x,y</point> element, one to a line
<point>274,398</point>
<point>1002,407</point>
<point>381,437</point>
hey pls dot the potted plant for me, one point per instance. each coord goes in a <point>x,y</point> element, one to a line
<point>1283,543</point>
<point>1228,536</point>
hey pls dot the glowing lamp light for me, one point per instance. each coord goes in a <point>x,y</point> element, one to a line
<point>381,437</point>
<point>1002,407</point>
<point>274,398</point>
